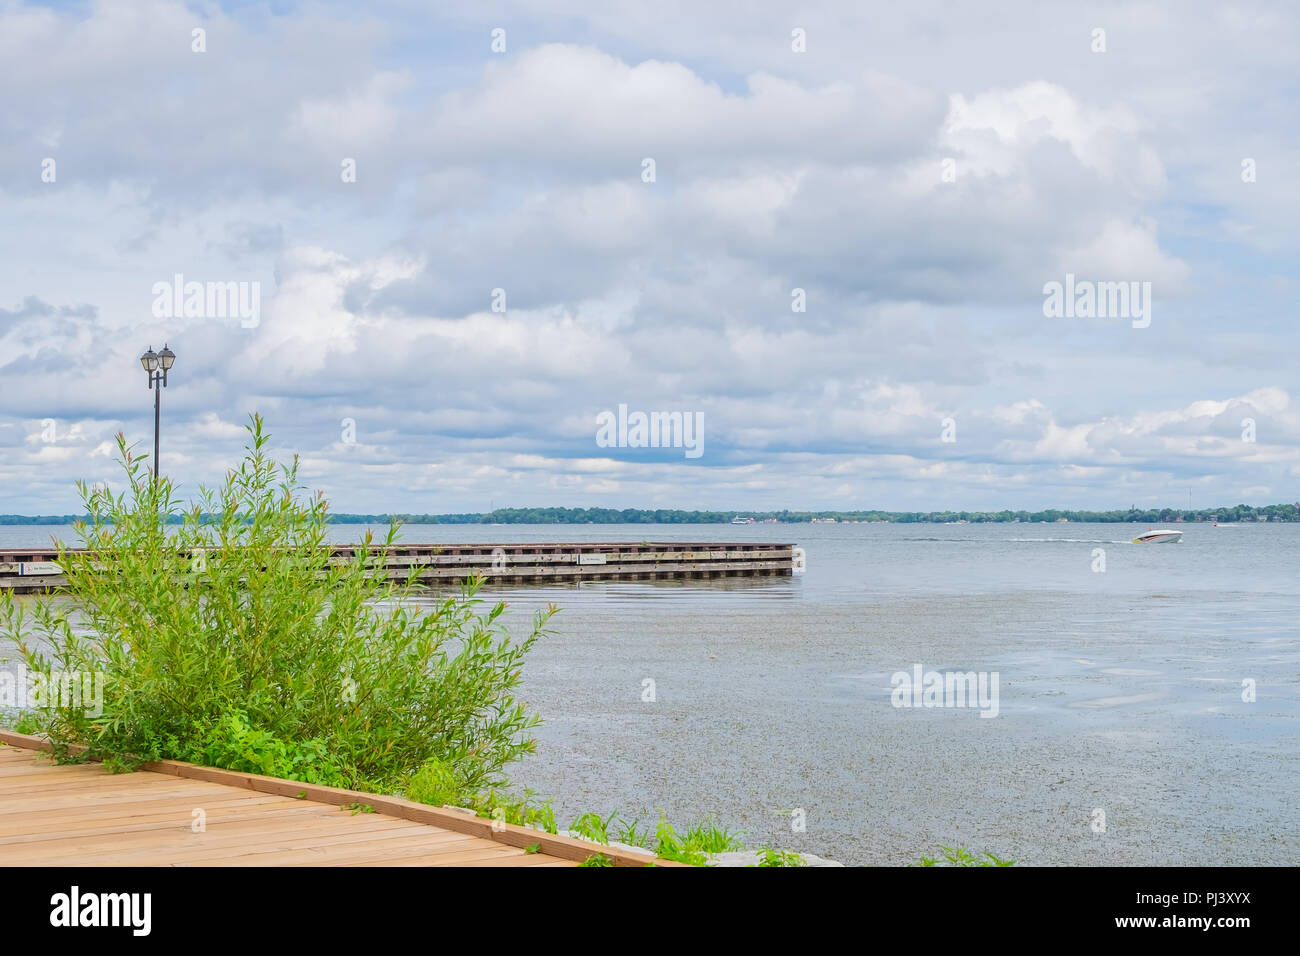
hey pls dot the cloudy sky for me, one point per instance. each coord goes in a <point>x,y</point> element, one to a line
<point>919,171</point>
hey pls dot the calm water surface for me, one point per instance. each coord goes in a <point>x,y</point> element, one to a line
<point>1119,691</point>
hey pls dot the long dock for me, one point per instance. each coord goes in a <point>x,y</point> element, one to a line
<point>180,814</point>
<point>27,570</point>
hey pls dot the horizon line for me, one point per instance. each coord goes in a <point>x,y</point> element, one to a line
<point>558,514</point>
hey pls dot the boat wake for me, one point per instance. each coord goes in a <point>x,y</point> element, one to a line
<point>1071,540</point>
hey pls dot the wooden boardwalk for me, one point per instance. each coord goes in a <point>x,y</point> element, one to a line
<point>80,815</point>
<point>32,570</point>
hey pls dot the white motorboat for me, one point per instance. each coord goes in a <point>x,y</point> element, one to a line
<point>1159,536</point>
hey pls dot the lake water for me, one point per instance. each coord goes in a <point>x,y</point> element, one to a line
<point>1120,692</point>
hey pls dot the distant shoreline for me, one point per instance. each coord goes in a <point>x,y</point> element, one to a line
<point>598,516</point>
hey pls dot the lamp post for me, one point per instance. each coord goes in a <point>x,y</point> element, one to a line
<point>156,366</point>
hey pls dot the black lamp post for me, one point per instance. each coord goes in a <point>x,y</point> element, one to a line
<point>156,365</point>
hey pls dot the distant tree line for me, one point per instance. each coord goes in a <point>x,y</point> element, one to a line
<point>40,519</point>
<point>1280,512</point>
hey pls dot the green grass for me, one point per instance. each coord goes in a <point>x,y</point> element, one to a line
<point>960,856</point>
<point>524,811</point>
<point>707,837</point>
<point>669,846</point>
<point>694,846</point>
<point>771,857</point>
<point>629,834</point>
<point>593,827</point>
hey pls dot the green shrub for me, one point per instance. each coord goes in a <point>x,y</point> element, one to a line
<point>232,743</point>
<point>235,638</point>
<point>28,722</point>
<point>435,783</point>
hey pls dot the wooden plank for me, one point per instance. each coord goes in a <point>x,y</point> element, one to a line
<point>145,829</point>
<point>79,782</point>
<point>252,827</point>
<point>75,821</point>
<point>337,847</point>
<point>520,859</point>
<point>455,854</point>
<point>530,860</point>
<point>13,772</point>
<point>32,585</point>
<point>17,766</point>
<point>82,817</point>
<point>181,844</point>
<point>435,845</point>
<point>104,787</point>
<point>30,803</point>
<point>58,822</point>
<point>510,834</point>
<point>311,857</point>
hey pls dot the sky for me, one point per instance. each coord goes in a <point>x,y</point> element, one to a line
<point>825,232</point>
